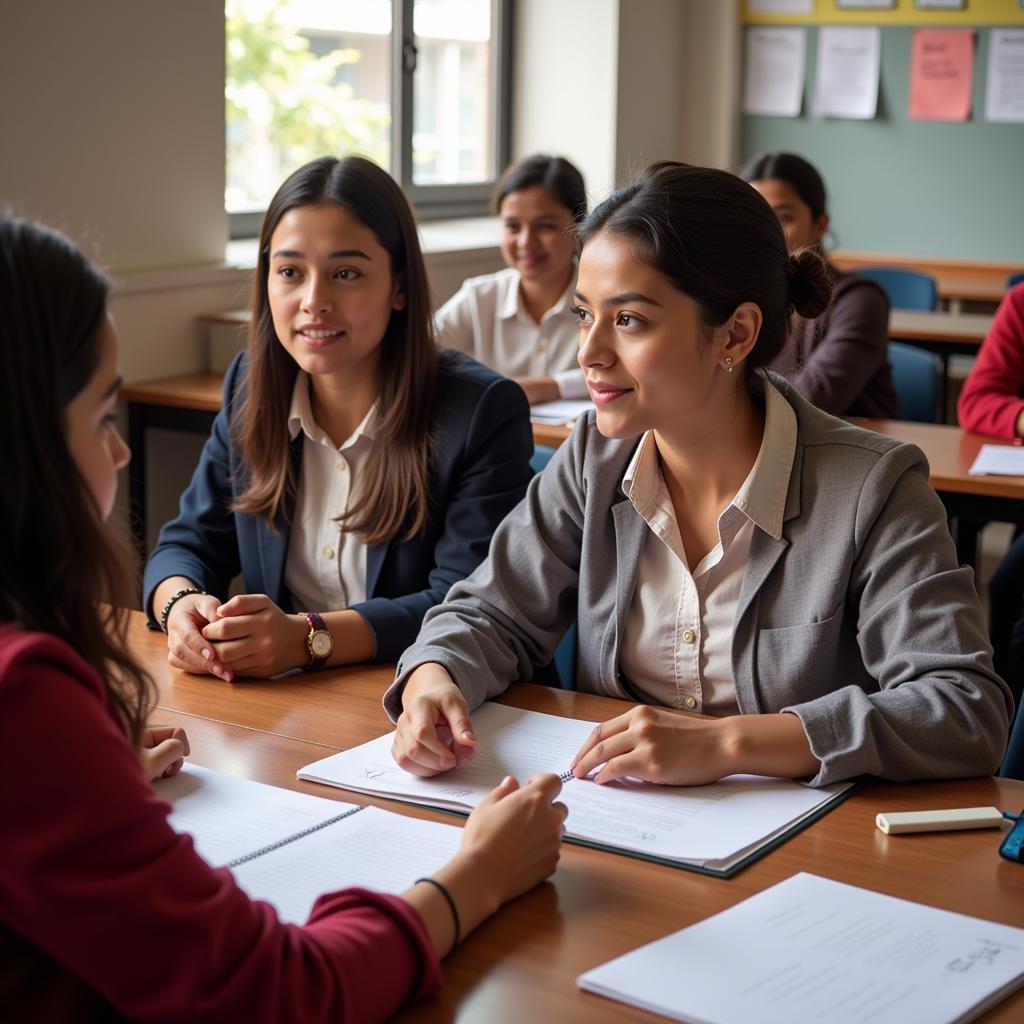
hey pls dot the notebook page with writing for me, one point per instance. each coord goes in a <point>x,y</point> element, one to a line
<point>374,849</point>
<point>229,817</point>
<point>714,826</point>
<point>810,949</point>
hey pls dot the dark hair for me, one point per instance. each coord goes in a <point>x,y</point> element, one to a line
<point>554,173</point>
<point>62,571</point>
<point>394,496</point>
<point>795,171</point>
<point>719,242</point>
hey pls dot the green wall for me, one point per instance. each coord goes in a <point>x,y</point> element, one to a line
<point>928,188</point>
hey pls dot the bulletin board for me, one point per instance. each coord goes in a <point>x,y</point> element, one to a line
<point>927,188</point>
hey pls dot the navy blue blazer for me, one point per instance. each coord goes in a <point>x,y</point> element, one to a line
<point>480,466</point>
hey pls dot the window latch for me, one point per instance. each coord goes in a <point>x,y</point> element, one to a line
<point>409,55</point>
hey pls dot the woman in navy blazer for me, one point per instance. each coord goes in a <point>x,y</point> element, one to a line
<point>437,450</point>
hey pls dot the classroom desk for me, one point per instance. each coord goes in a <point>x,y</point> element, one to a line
<point>190,403</point>
<point>522,964</point>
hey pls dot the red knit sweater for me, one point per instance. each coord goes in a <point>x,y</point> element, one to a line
<point>991,399</point>
<point>105,910</point>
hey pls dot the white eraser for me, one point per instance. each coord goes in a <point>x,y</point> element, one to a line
<point>895,822</point>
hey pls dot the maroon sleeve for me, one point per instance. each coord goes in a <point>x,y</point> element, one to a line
<point>990,401</point>
<point>92,874</point>
<point>853,349</point>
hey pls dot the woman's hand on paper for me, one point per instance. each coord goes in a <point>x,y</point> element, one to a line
<point>656,745</point>
<point>186,647</point>
<point>433,708</point>
<point>163,752</point>
<point>252,636</point>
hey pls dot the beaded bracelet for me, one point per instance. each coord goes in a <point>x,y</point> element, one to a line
<point>451,903</point>
<point>174,599</point>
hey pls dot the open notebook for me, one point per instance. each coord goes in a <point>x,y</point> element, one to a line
<point>810,949</point>
<point>716,829</point>
<point>289,848</point>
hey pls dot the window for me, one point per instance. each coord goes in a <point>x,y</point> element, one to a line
<point>419,86</point>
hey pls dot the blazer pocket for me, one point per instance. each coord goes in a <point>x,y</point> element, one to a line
<point>802,662</point>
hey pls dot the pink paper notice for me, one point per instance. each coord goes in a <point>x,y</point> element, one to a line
<point>941,74</point>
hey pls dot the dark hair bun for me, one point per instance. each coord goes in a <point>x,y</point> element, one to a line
<point>809,283</point>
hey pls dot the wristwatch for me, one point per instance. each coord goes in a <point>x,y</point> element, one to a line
<point>319,642</point>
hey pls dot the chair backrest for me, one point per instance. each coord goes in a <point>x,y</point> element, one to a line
<point>1015,279</point>
<point>916,375</point>
<point>1013,763</point>
<point>541,456</point>
<point>907,289</point>
<point>565,658</point>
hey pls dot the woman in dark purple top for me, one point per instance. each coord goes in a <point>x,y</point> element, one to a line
<point>840,360</point>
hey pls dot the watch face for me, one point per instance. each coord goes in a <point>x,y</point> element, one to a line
<point>320,644</point>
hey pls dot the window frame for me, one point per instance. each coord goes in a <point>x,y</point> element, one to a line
<point>432,202</point>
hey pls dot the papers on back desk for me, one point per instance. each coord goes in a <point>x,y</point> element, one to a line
<point>810,949</point>
<point>998,460</point>
<point>713,827</point>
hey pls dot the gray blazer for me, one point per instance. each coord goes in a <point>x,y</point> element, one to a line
<point>858,620</point>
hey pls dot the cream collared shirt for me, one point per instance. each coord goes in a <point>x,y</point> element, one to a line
<point>325,569</point>
<point>677,647</point>
<point>485,318</point>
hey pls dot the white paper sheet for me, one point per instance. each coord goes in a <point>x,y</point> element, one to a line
<point>1004,95</point>
<point>774,82</point>
<point>998,460</point>
<point>229,817</point>
<point>373,849</point>
<point>562,411</point>
<point>846,84</point>
<point>711,825</point>
<point>780,6</point>
<point>810,949</point>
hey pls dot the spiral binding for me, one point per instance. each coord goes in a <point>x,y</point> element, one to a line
<point>291,839</point>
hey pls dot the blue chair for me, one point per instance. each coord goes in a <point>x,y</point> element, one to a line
<point>1013,763</point>
<point>906,289</point>
<point>565,655</point>
<point>916,375</point>
<point>1015,279</point>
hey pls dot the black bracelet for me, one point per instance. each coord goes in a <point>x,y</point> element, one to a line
<point>174,599</point>
<point>451,903</point>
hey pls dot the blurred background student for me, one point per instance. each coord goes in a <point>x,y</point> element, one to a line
<point>838,361</point>
<point>520,321</point>
<point>992,402</point>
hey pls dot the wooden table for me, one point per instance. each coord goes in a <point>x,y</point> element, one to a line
<point>522,964</point>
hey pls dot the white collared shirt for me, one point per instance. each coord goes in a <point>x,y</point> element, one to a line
<point>677,644</point>
<point>325,569</point>
<point>486,319</point>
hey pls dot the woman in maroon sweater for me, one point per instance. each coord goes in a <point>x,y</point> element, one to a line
<point>839,361</point>
<point>104,909</point>
<point>992,402</point>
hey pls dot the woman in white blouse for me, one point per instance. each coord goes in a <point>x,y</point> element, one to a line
<point>519,321</point>
<point>723,545</point>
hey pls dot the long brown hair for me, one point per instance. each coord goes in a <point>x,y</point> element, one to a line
<point>393,498</point>
<point>62,570</point>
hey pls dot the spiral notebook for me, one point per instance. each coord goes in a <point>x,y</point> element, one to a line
<point>289,848</point>
<point>716,829</point>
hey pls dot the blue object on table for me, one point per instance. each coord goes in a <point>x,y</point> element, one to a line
<point>1015,279</point>
<point>916,375</point>
<point>907,289</point>
<point>1012,846</point>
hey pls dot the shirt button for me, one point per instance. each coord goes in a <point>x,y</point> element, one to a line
<point>328,552</point>
<point>541,346</point>
<point>690,702</point>
<point>689,636</point>
<point>342,465</point>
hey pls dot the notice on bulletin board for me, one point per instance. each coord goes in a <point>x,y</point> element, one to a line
<point>848,67</point>
<point>774,82</point>
<point>941,74</point>
<point>1004,100</point>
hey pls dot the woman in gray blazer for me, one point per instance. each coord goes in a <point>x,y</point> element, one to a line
<point>724,546</point>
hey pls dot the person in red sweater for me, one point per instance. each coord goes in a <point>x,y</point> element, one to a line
<point>992,402</point>
<point>104,909</point>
